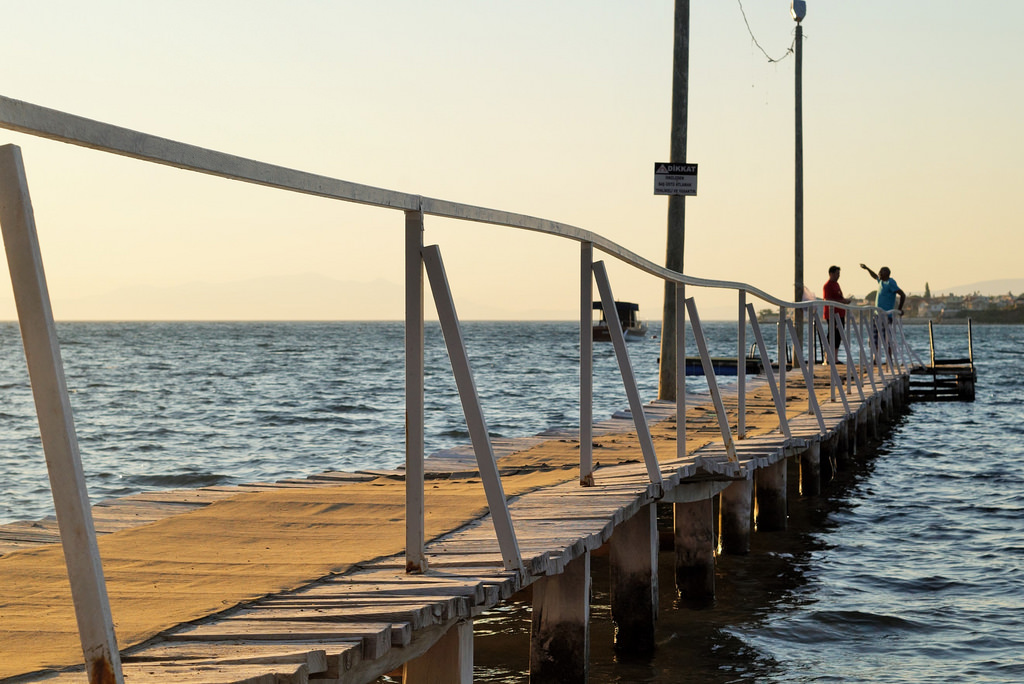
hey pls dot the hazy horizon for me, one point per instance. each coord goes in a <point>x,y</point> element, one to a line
<point>552,110</point>
<point>338,300</point>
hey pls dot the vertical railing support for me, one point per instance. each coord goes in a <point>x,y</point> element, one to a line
<point>851,376</point>
<point>865,359</point>
<point>783,352</point>
<point>931,342</point>
<point>811,353</point>
<point>415,555</point>
<point>709,373</point>
<point>680,371</point>
<point>878,344</point>
<point>831,330</point>
<point>741,367</point>
<point>829,351</point>
<point>636,407</point>
<point>586,365</point>
<point>56,423</point>
<point>812,398</point>
<point>766,362</point>
<point>475,422</point>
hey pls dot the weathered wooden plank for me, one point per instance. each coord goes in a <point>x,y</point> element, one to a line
<point>314,656</point>
<point>418,615</point>
<point>472,592</point>
<point>440,608</point>
<point>161,673</point>
<point>240,673</point>
<point>375,637</point>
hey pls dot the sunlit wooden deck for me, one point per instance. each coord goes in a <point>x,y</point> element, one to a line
<point>315,596</point>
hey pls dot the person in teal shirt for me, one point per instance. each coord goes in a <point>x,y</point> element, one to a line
<point>888,290</point>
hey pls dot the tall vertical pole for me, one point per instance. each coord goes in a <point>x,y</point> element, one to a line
<point>676,203</point>
<point>586,365</point>
<point>415,557</point>
<point>798,270</point>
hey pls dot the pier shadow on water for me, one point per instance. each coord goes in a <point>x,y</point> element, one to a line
<point>694,644</point>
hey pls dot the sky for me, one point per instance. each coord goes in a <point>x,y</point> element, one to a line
<point>912,141</point>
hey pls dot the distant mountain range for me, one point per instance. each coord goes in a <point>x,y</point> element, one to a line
<point>984,287</point>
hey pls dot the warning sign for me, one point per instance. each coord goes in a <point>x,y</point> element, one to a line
<point>675,179</point>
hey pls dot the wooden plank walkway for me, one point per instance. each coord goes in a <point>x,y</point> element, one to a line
<point>366,617</point>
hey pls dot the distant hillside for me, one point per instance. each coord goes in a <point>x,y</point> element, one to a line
<point>984,287</point>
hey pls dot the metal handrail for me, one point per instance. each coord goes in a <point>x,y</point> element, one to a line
<point>25,117</point>
<point>96,627</point>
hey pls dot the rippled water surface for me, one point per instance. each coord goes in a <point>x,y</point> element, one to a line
<point>909,569</point>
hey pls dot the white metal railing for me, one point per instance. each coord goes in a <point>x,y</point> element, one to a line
<point>57,428</point>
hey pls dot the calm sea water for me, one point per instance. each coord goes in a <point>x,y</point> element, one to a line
<point>909,569</point>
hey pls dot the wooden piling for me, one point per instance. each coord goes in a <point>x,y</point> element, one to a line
<point>695,551</point>
<point>560,634</point>
<point>772,505</point>
<point>828,451</point>
<point>736,517</point>
<point>863,429</point>
<point>810,470</point>
<point>449,661</point>
<point>633,556</point>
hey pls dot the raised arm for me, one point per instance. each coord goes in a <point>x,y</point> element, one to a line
<point>870,272</point>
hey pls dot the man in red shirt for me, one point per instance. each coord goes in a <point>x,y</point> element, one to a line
<point>834,293</point>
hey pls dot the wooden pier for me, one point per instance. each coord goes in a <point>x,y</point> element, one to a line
<point>304,581</point>
<point>345,577</point>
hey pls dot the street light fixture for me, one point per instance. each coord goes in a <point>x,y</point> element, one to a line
<point>798,8</point>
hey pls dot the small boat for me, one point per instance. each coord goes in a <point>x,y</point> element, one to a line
<point>632,328</point>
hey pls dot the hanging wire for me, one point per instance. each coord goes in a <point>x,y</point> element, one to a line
<point>753,38</point>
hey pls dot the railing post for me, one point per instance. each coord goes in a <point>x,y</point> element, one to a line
<point>830,358</point>
<point>741,367</point>
<point>56,423</point>
<point>783,352</point>
<point>812,398</point>
<point>811,353</point>
<point>680,371</point>
<point>636,408</point>
<point>780,401</point>
<point>586,365</point>
<point>851,377</point>
<point>831,331</point>
<point>878,342</point>
<point>866,361</point>
<point>475,422</point>
<point>709,373</point>
<point>415,555</point>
